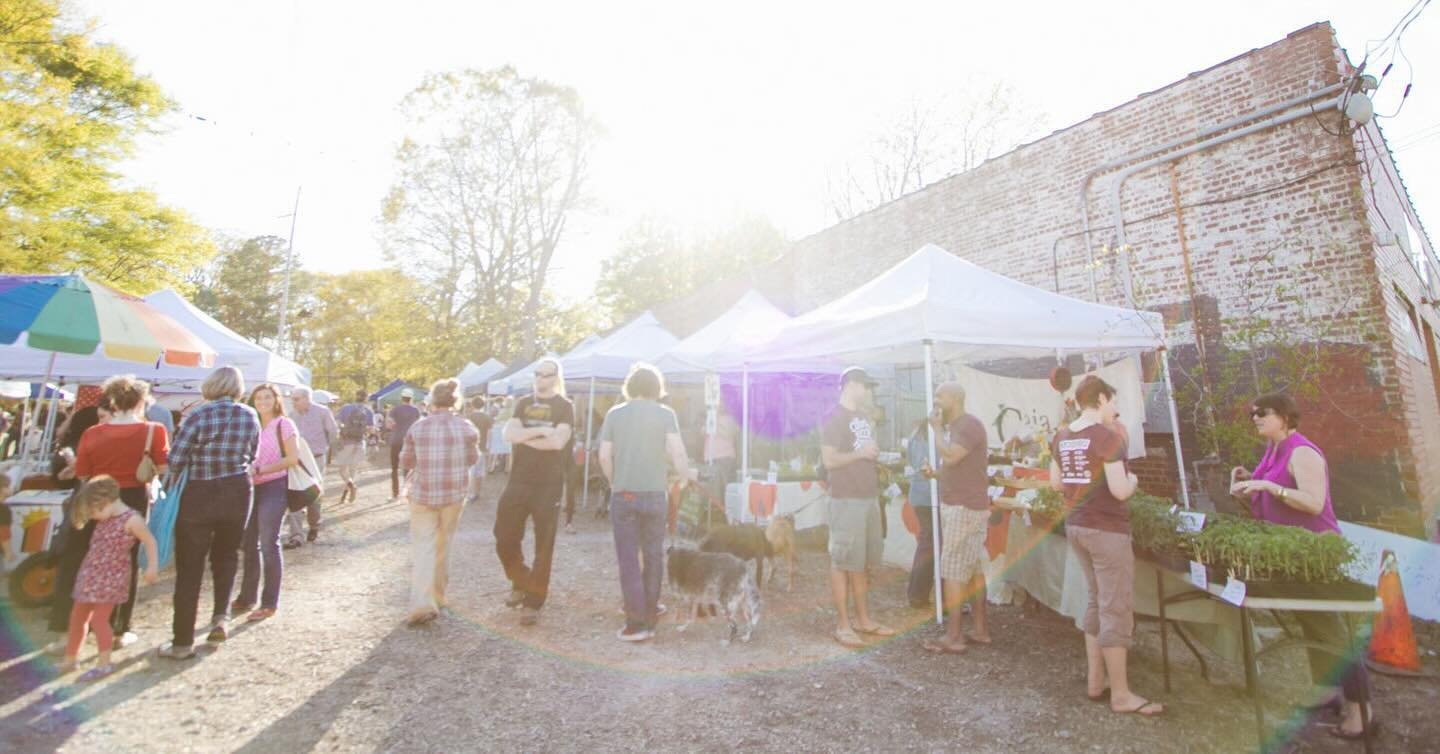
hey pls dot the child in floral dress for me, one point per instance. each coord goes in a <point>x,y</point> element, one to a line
<point>104,578</point>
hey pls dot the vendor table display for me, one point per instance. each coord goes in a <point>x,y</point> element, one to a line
<point>750,502</point>
<point>34,518</point>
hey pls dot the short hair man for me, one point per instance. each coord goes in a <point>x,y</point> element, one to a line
<point>848,450</point>
<point>400,419</point>
<point>964,514</point>
<point>539,433</point>
<point>354,419</point>
<point>317,425</point>
<point>639,441</point>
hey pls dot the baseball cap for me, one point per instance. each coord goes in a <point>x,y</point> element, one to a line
<point>407,393</point>
<point>857,374</point>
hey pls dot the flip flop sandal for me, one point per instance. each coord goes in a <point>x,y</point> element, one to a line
<point>1103,697</point>
<point>1372,732</point>
<point>848,639</point>
<point>877,630</point>
<point>940,648</point>
<point>1137,710</point>
<point>972,638</point>
<point>259,615</point>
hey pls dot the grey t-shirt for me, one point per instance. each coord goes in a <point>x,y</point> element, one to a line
<point>637,429</point>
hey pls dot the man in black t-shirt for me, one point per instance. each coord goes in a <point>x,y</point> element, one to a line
<point>539,434</point>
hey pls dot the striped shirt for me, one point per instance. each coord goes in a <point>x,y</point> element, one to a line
<point>217,440</point>
<point>441,448</point>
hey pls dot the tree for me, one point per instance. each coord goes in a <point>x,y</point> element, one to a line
<point>243,291</point>
<point>69,110</point>
<point>926,142</point>
<point>654,263</point>
<point>492,168</point>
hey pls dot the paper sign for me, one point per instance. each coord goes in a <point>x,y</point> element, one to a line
<point>773,477</point>
<point>712,389</point>
<point>1234,592</point>
<point>893,491</point>
<point>1198,577</point>
<point>1191,521</point>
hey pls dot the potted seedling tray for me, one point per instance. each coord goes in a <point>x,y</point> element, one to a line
<point>1344,590</point>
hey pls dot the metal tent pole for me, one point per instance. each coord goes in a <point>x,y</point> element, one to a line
<point>934,483</point>
<point>745,429</point>
<point>589,420</point>
<point>1175,426</point>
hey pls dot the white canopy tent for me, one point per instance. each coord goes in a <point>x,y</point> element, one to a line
<point>511,380</point>
<point>749,321</point>
<point>474,377</point>
<point>610,358</point>
<point>934,303</point>
<point>256,363</point>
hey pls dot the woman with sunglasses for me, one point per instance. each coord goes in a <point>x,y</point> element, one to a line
<point>1291,487</point>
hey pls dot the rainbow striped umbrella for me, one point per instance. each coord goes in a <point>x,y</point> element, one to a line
<point>69,314</point>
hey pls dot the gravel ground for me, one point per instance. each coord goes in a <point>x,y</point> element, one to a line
<point>336,670</point>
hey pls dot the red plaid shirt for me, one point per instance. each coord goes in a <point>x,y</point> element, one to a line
<point>441,448</point>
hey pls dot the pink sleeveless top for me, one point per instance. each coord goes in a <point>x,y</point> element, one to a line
<point>1272,468</point>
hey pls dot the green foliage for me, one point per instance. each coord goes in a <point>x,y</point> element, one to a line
<point>1250,549</point>
<point>245,288</point>
<point>656,263</point>
<point>70,109</point>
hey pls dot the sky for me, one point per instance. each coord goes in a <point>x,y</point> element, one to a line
<point>711,111</point>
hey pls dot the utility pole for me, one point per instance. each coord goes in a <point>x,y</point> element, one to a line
<point>284,333</point>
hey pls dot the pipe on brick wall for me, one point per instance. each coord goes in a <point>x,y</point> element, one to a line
<point>1203,133</point>
<point>1119,185</point>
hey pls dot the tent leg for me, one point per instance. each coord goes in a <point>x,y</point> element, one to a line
<point>589,420</point>
<point>934,484</point>
<point>745,425</point>
<point>1175,427</point>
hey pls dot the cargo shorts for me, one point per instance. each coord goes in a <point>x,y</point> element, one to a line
<point>855,541</point>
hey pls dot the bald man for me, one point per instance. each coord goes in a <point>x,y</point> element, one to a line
<point>964,515</point>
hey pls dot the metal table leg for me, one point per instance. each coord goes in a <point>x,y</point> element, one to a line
<point>1164,629</point>
<point>1252,681</point>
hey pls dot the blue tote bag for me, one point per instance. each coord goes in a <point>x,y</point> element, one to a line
<point>162,520</point>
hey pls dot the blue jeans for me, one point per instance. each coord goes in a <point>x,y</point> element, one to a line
<point>638,519</point>
<point>262,544</point>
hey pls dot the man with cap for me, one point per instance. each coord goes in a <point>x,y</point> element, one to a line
<point>848,450</point>
<point>399,421</point>
<point>317,426</point>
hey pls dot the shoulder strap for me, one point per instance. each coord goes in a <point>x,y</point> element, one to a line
<point>149,433</point>
<point>280,438</point>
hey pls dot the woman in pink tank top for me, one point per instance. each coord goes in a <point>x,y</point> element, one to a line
<point>1291,487</point>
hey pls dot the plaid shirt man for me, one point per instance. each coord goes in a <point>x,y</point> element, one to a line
<point>441,448</point>
<point>218,440</point>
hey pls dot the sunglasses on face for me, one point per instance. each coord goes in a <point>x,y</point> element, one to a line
<point>543,375</point>
<point>1259,413</point>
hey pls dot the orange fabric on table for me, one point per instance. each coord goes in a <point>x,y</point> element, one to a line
<point>998,535</point>
<point>762,499</point>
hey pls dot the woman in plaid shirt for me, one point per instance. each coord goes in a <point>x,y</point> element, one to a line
<point>440,448</point>
<point>214,447</point>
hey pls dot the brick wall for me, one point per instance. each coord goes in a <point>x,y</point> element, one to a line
<point>1276,227</point>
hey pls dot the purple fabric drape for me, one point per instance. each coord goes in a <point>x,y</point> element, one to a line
<point>782,405</point>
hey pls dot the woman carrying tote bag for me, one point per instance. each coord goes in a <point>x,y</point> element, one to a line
<point>278,452</point>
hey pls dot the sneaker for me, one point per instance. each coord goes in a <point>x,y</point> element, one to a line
<point>218,634</point>
<point>312,536</point>
<point>95,673</point>
<point>176,651</point>
<point>290,544</point>
<point>516,598</point>
<point>237,607</point>
<point>635,633</point>
<point>126,639</point>
<point>529,616</point>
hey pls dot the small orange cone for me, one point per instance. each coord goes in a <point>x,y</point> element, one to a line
<point>1393,641</point>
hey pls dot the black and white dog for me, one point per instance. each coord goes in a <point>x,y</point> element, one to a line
<point>715,579</point>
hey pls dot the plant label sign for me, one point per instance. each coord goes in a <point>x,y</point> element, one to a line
<point>1234,592</point>
<point>1191,521</point>
<point>1198,577</point>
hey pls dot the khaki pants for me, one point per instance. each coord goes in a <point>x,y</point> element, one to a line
<point>431,529</point>
<point>1108,562</point>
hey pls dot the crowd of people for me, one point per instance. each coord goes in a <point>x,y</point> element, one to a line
<point>231,458</point>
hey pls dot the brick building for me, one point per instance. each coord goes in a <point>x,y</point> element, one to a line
<point>1240,204</point>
